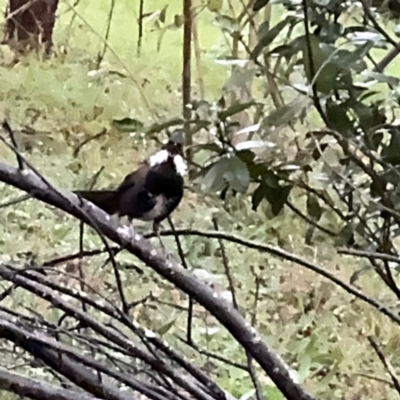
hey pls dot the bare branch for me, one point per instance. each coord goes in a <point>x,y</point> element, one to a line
<point>241,330</point>
<point>386,364</point>
<point>36,389</point>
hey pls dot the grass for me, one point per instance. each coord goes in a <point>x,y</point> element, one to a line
<point>65,104</point>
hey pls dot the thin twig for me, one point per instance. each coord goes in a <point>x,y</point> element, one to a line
<point>101,55</point>
<point>87,253</point>
<point>390,56</point>
<point>81,235</point>
<point>385,363</point>
<point>231,284</point>
<point>254,379</point>
<point>375,378</point>
<point>369,254</point>
<point>257,281</point>
<point>18,200</point>
<point>82,211</point>
<point>140,27</point>
<point>225,263</point>
<point>183,261</point>
<point>6,126</point>
<point>288,257</point>
<point>187,75</point>
<point>376,25</point>
<point>7,292</point>
<point>310,220</point>
<point>214,356</point>
<point>88,140</point>
<point>247,336</point>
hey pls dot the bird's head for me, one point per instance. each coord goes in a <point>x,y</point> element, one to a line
<point>175,143</point>
<point>172,152</point>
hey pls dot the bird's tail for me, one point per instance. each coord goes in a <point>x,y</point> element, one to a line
<point>104,199</point>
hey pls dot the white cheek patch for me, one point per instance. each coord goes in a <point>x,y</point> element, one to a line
<point>162,156</point>
<point>180,165</point>
<point>158,158</point>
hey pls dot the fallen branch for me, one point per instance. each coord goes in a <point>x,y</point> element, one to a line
<point>36,389</point>
<point>136,244</point>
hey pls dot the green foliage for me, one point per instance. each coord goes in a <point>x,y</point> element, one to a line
<point>259,4</point>
<point>267,35</point>
<point>229,171</point>
<point>128,125</point>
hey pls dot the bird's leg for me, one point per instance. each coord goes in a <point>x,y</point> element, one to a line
<point>131,227</point>
<point>167,254</point>
<point>156,229</point>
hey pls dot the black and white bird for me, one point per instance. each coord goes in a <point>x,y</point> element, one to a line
<point>152,192</point>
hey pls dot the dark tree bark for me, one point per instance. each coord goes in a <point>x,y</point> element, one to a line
<point>30,23</point>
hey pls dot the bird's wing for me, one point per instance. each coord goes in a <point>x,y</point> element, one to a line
<point>132,179</point>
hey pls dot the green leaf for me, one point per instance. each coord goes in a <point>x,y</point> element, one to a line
<point>275,194</point>
<point>214,147</point>
<point>227,23</point>
<point>362,37</point>
<point>332,31</point>
<point>267,36</point>
<point>319,69</point>
<point>259,4</point>
<point>368,93</point>
<point>304,366</point>
<point>128,124</point>
<point>370,116</point>
<point>353,59</point>
<point>227,170</point>
<point>383,78</point>
<point>263,29</point>
<point>346,60</point>
<point>257,170</point>
<point>338,118</point>
<point>212,180</point>
<point>247,156</point>
<point>235,109</point>
<point>254,144</point>
<point>178,20</point>
<point>288,50</point>
<point>163,14</point>
<point>240,78</point>
<point>237,174</point>
<point>287,113</point>
<point>277,198</point>
<point>313,208</point>
<point>155,128</point>
<point>166,327</point>
<point>161,36</point>
<point>258,195</point>
<point>215,5</point>
<point>346,235</point>
<point>319,180</point>
<point>373,139</point>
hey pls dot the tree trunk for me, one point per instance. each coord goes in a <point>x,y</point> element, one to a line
<point>30,23</point>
